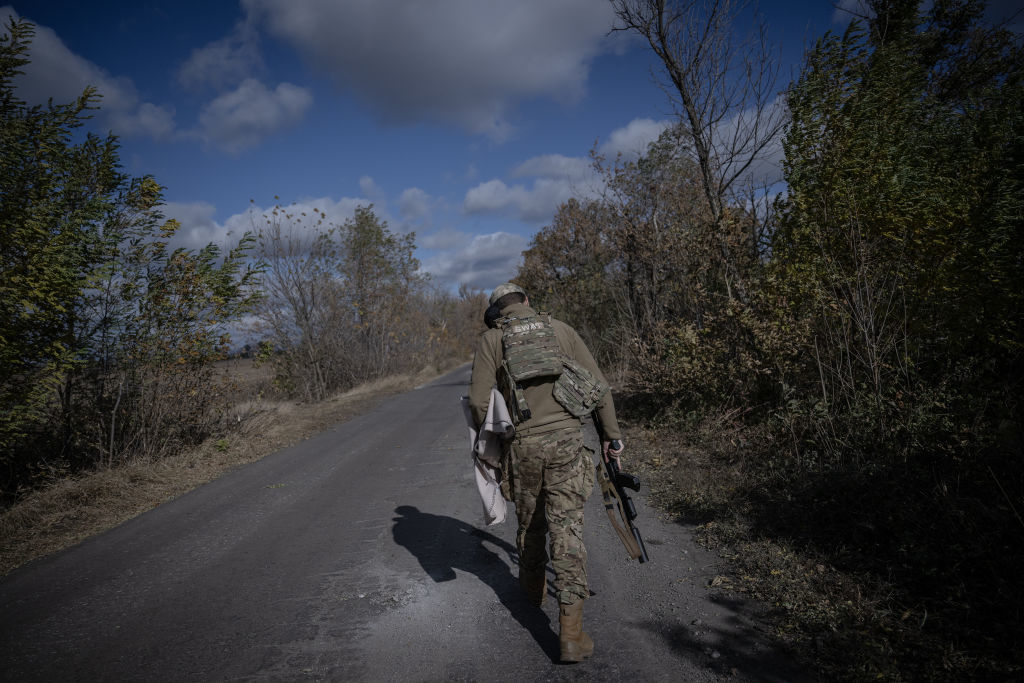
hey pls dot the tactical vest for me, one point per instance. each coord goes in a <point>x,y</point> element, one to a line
<point>530,350</point>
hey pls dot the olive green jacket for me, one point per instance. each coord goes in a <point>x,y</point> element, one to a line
<point>546,412</point>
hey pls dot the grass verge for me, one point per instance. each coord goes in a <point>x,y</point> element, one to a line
<point>890,574</point>
<point>74,509</point>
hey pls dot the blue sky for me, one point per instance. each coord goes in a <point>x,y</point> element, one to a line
<point>466,121</point>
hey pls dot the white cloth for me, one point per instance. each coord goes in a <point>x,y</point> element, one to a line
<point>486,448</point>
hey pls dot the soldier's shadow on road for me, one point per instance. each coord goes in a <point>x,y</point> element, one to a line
<point>443,544</point>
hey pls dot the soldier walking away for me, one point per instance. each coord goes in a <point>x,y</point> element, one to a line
<point>547,470</point>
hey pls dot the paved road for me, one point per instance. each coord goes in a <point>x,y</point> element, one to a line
<point>359,555</point>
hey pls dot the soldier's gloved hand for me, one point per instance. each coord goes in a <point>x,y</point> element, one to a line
<point>612,449</point>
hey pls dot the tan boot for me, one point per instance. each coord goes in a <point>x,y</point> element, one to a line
<point>574,643</point>
<point>535,585</point>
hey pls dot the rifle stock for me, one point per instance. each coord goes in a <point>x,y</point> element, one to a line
<point>617,503</point>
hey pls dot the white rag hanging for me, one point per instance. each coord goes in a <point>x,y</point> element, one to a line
<point>486,448</point>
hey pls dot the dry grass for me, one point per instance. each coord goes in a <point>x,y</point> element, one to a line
<point>74,509</point>
<point>862,579</point>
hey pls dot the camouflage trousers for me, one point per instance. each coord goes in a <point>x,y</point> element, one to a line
<point>552,477</point>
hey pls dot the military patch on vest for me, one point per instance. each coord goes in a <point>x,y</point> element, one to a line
<point>530,347</point>
<point>577,389</point>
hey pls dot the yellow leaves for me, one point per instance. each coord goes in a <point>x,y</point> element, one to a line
<point>169,227</point>
<point>148,193</point>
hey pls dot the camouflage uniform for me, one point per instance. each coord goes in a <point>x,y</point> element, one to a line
<point>549,472</point>
<point>553,477</point>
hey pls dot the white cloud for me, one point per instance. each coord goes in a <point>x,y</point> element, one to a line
<point>557,178</point>
<point>58,73</point>
<point>555,166</point>
<point>223,63</point>
<point>414,204</point>
<point>492,195</point>
<point>534,204</point>
<point>198,227</point>
<point>249,114</point>
<point>632,140</point>
<point>149,120</point>
<point>370,189</point>
<point>460,62</point>
<point>445,238</point>
<point>738,136</point>
<point>484,262</point>
<point>307,213</point>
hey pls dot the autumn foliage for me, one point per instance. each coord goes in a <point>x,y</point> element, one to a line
<point>109,332</point>
<point>859,399</point>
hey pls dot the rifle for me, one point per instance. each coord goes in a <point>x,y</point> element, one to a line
<point>614,483</point>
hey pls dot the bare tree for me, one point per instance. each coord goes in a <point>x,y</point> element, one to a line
<point>300,311</point>
<point>722,87</point>
<point>342,304</point>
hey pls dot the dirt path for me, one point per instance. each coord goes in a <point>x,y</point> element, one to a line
<point>358,555</point>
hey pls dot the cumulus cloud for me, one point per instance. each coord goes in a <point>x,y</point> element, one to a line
<point>250,113</point>
<point>199,228</point>
<point>531,204</point>
<point>445,238</point>
<point>414,204</point>
<point>558,177</point>
<point>148,120</point>
<point>460,62</point>
<point>306,213</point>
<point>58,73</point>
<point>555,166</point>
<point>632,140</point>
<point>744,132</point>
<point>484,262</point>
<point>223,63</point>
<point>371,190</point>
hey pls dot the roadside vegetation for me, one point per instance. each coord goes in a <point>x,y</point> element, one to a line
<point>116,391</point>
<point>826,382</point>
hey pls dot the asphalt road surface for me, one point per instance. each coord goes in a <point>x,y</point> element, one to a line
<point>360,555</point>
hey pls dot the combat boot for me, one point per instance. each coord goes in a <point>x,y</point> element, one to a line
<point>573,642</point>
<point>535,585</point>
